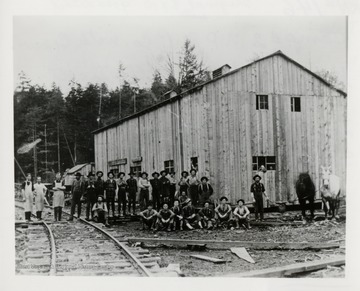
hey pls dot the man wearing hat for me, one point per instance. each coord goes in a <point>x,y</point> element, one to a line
<point>156,190</point>
<point>132,189</point>
<point>257,190</point>
<point>91,195</point>
<point>99,183</point>
<point>77,191</point>
<point>122,185</point>
<point>172,188</point>
<point>110,192</point>
<point>58,196</point>
<point>183,182</point>
<point>223,213</point>
<point>164,187</point>
<point>205,190</point>
<point>193,183</point>
<point>144,186</point>
<point>189,215</point>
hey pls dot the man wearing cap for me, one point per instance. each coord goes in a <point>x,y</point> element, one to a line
<point>110,192</point>
<point>122,185</point>
<point>156,190</point>
<point>164,187</point>
<point>193,183</point>
<point>205,190</point>
<point>257,190</point>
<point>183,182</point>
<point>99,184</point>
<point>223,213</point>
<point>132,189</point>
<point>206,216</point>
<point>91,195</point>
<point>148,217</point>
<point>144,186</point>
<point>77,191</point>
<point>188,214</point>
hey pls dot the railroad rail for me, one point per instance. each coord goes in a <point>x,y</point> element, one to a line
<point>87,249</point>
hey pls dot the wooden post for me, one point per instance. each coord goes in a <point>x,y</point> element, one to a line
<point>35,156</point>
<point>45,149</point>
<point>58,142</point>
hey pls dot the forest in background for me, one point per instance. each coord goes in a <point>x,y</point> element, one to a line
<point>64,123</point>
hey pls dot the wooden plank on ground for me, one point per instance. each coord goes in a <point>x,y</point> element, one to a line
<point>289,270</point>
<point>209,259</point>
<point>243,254</point>
<point>223,245</point>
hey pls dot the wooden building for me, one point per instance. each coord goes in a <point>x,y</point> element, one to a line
<point>271,112</point>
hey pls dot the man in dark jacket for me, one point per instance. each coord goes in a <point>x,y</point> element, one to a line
<point>257,191</point>
<point>205,190</point>
<point>188,214</point>
<point>165,187</point>
<point>91,195</point>
<point>77,191</point>
<point>132,189</point>
<point>99,184</point>
<point>206,216</point>
<point>156,190</point>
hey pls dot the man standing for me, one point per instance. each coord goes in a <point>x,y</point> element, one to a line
<point>144,186</point>
<point>156,190</point>
<point>91,195</point>
<point>172,188</point>
<point>58,196</point>
<point>132,189</point>
<point>193,183</point>
<point>205,190</point>
<point>77,191</point>
<point>40,192</point>
<point>257,191</point>
<point>27,190</point>
<point>110,191</point>
<point>99,184</point>
<point>164,187</point>
<point>122,185</point>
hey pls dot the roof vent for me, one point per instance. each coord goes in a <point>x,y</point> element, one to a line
<point>221,71</point>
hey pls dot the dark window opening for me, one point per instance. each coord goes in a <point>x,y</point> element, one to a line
<point>295,104</point>
<point>136,169</point>
<point>169,166</point>
<point>262,102</point>
<point>268,161</point>
<point>194,163</point>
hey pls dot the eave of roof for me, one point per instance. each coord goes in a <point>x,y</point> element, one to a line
<point>198,87</point>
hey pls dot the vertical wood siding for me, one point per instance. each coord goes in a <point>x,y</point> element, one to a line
<point>220,125</point>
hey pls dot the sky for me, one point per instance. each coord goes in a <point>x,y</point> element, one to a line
<point>90,48</point>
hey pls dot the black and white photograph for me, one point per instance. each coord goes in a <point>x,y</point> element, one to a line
<point>180,146</point>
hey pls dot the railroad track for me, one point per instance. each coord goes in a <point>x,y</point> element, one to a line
<point>76,248</point>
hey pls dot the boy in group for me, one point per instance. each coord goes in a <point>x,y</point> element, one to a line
<point>223,213</point>
<point>178,219</point>
<point>188,214</point>
<point>100,211</point>
<point>241,214</point>
<point>183,199</point>
<point>257,190</point>
<point>132,189</point>
<point>91,197</point>
<point>110,191</point>
<point>206,216</point>
<point>144,186</point>
<point>27,190</point>
<point>122,185</point>
<point>165,218</point>
<point>40,199</point>
<point>148,217</point>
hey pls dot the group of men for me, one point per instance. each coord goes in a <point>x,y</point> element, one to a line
<point>169,209</point>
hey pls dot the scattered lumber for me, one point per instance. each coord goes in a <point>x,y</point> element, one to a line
<point>224,245</point>
<point>209,259</point>
<point>243,254</point>
<point>289,270</point>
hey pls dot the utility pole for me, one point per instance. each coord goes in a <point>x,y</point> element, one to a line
<point>58,142</point>
<point>45,149</point>
<point>35,156</point>
<point>120,71</point>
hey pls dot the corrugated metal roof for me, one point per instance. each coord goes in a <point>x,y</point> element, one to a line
<point>76,168</point>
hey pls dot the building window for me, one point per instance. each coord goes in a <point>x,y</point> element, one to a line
<point>136,169</point>
<point>268,161</point>
<point>169,166</point>
<point>194,163</point>
<point>262,102</point>
<point>295,104</point>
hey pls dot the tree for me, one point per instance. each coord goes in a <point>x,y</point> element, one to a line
<point>331,78</point>
<point>158,88</point>
<point>192,71</point>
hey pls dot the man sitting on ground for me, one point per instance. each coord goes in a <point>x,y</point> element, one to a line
<point>223,214</point>
<point>148,217</point>
<point>188,214</point>
<point>241,214</point>
<point>206,216</point>
<point>100,211</point>
<point>178,219</point>
<point>165,218</point>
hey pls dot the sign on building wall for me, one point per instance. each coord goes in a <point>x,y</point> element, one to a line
<point>118,162</point>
